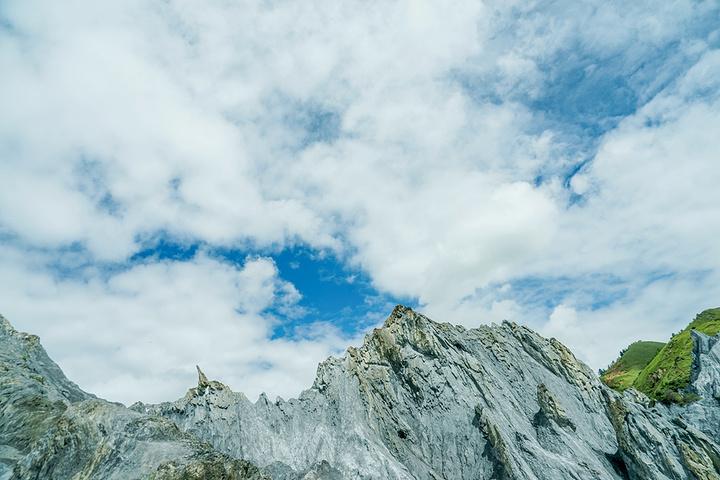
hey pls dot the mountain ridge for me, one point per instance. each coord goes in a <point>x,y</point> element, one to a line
<point>418,399</point>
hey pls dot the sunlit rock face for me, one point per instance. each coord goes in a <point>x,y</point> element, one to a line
<point>418,400</point>
<point>426,400</point>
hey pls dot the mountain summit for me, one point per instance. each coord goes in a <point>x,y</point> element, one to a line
<point>418,400</point>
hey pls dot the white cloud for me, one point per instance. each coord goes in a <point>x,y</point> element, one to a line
<point>448,173</point>
<point>654,179</point>
<point>139,335</point>
<point>563,324</point>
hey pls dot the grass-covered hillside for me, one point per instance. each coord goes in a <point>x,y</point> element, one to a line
<point>670,369</point>
<point>661,374</point>
<point>622,374</point>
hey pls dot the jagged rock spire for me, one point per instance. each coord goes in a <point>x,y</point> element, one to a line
<point>202,379</point>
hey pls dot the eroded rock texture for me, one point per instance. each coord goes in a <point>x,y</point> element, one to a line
<point>50,429</point>
<point>426,400</point>
<point>419,400</point>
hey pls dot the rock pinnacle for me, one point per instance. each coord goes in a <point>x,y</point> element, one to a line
<point>202,379</point>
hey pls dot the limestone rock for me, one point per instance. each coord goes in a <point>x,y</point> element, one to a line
<point>704,414</point>
<point>418,400</point>
<point>551,410</point>
<point>50,429</point>
<point>202,379</point>
<point>705,369</point>
<point>426,400</point>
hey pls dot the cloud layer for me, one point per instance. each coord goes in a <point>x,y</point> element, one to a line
<point>552,163</point>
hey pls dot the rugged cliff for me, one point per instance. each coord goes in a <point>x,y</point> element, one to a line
<point>426,400</point>
<point>50,429</point>
<point>419,400</point>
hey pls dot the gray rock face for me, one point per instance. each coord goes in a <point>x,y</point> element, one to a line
<point>654,443</point>
<point>419,400</point>
<point>426,400</point>
<point>705,369</point>
<point>703,415</point>
<point>50,429</point>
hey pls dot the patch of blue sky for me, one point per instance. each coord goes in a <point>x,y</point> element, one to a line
<point>109,204</point>
<point>91,180</point>
<point>567,173</point>
<point>575,101</point>
<point>332,292</point>
<point>585,96</point>
<point>320,125</point>
<point>580,93</point>
<point>69,262</point>
<point>299,123</point>
<point>588,292</point>
<point>76,262</point>
<point>72,261</point>
<point>162,246</point>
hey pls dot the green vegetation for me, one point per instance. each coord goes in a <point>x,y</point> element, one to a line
<point>660,370</point>
<point>670,369</point>
<point>623,372</point>
<point>668,396</point>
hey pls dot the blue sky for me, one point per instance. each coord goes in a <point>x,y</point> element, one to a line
<point>253,187</point>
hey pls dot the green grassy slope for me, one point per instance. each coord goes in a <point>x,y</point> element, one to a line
<point>670,368</point>
<point>622,374</point>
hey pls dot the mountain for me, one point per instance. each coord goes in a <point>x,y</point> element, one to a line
<point>669,370</point>
<point>662,371</point>
<point>418,400</point>
<point>50,429</point>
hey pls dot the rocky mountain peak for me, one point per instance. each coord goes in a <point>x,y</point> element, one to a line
<point>399,315</point>
<point>202,379</point>
<point>29,341</point>
<point>406,331</point>
<point>418,399</point>
<point>50,429</point>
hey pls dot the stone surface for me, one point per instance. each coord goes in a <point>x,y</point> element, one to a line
<point>655,444</point>
<point>418,400</point>
<point>426,400</point>
<point>703,415</point>
<point>705,369</point>
<point>50,429</point>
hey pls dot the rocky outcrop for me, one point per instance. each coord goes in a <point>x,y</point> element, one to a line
<point>654,443</point>
<point>426,400</point>
<point>50,429</point>
<point>703,415</point>
<point>418,400</point>
<point>705,369</point>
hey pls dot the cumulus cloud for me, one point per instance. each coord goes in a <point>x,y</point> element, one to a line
<point>138,334</point>
<point>552,163</point>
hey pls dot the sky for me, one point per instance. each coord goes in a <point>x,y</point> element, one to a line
<point>252,186</point>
